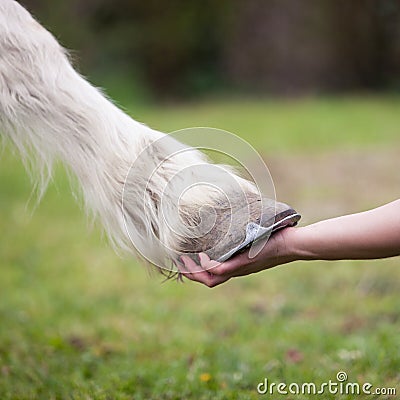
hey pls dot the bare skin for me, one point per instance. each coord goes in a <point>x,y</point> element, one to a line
<point>367,235</point>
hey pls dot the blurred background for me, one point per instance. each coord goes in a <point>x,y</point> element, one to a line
<point>178,50</point>
<point>314,87</point>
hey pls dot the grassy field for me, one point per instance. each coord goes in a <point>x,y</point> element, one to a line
<point>79,322</point>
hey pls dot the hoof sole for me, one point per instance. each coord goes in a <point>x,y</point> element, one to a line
<point>256,231</point>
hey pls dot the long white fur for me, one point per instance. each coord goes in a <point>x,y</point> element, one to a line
<point>51,113</point>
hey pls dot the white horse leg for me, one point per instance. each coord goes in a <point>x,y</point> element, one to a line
<point>51,112</point>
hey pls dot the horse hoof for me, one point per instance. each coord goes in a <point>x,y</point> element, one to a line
<point>236,226</point>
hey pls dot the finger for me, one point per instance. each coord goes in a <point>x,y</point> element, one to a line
<point>191,265</point>
<point>206,263</point>
<point>199,275</point>
<point>208,279</point>
<point>232,265</point>
<point>180,266</point>
<point>194,271</point>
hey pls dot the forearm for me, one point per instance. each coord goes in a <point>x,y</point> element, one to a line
<point>366,235</point>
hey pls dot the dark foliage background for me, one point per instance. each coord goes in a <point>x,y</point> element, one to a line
<point>184,48</point>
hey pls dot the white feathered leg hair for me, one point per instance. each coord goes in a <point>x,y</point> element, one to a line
<point>51,112</point>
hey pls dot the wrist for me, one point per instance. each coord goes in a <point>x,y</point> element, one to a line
<point>298,244</point>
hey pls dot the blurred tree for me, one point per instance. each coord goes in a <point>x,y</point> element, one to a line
<point>175,44</point>
<point>182,48</point>
<point>297,46</point>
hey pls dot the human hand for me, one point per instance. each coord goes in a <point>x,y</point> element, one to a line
<point>366,235</point>
<point>278,250</point>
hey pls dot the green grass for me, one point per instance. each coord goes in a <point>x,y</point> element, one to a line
<point>78,322</point>
<point>290,125</point>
